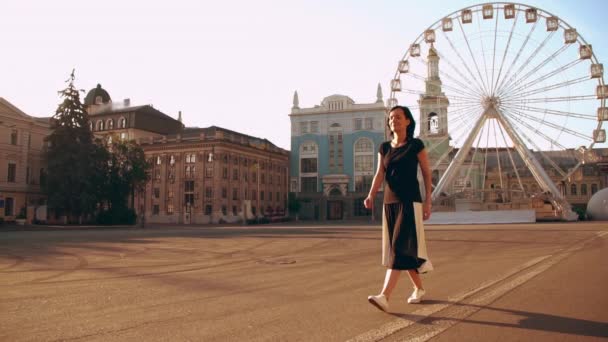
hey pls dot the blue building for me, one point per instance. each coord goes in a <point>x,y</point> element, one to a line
<point>334,154</point>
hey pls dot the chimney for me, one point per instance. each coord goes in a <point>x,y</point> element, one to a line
<point>127,102</point>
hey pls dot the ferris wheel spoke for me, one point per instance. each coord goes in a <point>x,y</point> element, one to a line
<point>462,123</point>
<point>511,157</point>
<point>473,91</point>
<point>549,87</point>
<point>533,144</point>
<point>485,165</point>
<point>459,91</point>
<point>554,126</point>
<point>514,115</point>
<point>504,56</point>
<point>474,79</point>
<point>548,75</point>
<point>551,99</point>
<point>519,81</point>
<point>554,112</point>
<point>419,92</point>
<point>494,57</point>
<point>483,55</point>
<point>466,39</point>
<point>519,53</point>
<point>513,77</point>
<point>497,154</point>
<point>468,173</point>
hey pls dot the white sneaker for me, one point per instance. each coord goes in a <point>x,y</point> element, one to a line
<point>379,301</point>
<point>416,296</point>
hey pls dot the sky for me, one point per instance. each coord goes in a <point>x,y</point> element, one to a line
<point>230,63</point>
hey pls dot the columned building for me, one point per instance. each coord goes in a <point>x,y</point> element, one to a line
<point>334,148</point>
<point>22,168</point>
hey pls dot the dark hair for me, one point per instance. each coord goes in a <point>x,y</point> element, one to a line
<point>410,128</point>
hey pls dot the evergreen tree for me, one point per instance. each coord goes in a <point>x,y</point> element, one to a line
<point>77,164</point>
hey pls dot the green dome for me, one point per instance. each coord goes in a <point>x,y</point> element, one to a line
<point>93,93</point>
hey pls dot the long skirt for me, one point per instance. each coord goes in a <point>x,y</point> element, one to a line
<point>403,240</point>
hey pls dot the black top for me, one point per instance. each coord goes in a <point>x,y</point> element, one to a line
<point>401,171</point>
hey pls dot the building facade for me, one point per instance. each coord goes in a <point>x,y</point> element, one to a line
<point>22,168</point>
<point>213,175</point>
<point>334,149</point>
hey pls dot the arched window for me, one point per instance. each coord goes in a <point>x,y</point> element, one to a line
<point>122,122</point>
<point>433,123</point>
<point>584,189</point>
<point>100,125</point>
<point>98,99</point>
<point>91,125</point>
<point>336,152</point>
<point>573,189</point>
<point>110,124</point>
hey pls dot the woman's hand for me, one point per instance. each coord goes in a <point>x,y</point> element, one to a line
<point>368,202</point>
<point>426,210</point>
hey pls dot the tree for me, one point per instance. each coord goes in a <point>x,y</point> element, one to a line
<point>76,162</point>
<point>127,173</point>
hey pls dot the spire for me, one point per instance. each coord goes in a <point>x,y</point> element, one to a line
<point>179,116</point>
<point>379,94</point>
<point>296,101</point>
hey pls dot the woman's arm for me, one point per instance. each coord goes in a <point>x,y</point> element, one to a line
<point>378,179</point>
<point>423,160</point>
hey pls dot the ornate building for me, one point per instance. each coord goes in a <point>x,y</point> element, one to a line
<point>199,175</point>
<point>22,168</point>
<point>334,148</point>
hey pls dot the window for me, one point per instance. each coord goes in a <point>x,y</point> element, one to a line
<point>308,165</point>
<point>584,189</point>
<point>364,145</point>
<point>123,136</point>
<point>573,189</point>
<point>363,183</point>
<point>364,163</point>
<point>170,208</point>
<point>593,188</point>
<point>170,194</point>
<point>263,179</point>
<point>155,209</point>
<point>209,192</point>
<point>254,195</point>
<point>156,193</point>
<point>278,198</point>
<point>359,208</point>
<point>262,195</point>
<point>100,125</point>
<point>209,171</point>
<point>358,124</point>
<point>369,123</point>
<point>208,209</point>
<point>110,124</point>
<point>12,173</point>
<point>14,137</point>
<point>234,210</point>
<point>158,160</point>
<point>235,174</point>
<point>224,210</point>
<point>309,184</point>
<point>224,193</point>
<point>269,196</point>
<point>190,171</point>
<point>188,186</point>
<point>433,123</point>
<point>235,194</point>
<point>225,173</point>
<point>9,207</point>
<point>122,123</point>
<point>314,127</point>
<point>190,158</point>
<point>189,199</point>
<point>303,127</point>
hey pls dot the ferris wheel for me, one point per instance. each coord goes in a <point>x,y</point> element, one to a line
<point>510,101</point>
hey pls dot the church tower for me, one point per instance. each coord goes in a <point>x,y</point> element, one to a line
<point>434,108</point>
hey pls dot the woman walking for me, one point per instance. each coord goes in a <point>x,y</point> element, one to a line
<point>404,248</point>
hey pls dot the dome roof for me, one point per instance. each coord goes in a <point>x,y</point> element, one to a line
<point>93,93</point>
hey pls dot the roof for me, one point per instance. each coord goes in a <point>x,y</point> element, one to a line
<point>93,93</point>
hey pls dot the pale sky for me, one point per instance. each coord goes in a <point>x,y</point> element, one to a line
<point>233,64</point>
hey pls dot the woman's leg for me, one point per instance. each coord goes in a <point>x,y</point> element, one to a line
<point>390,281</point>
<point>415,278</point>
